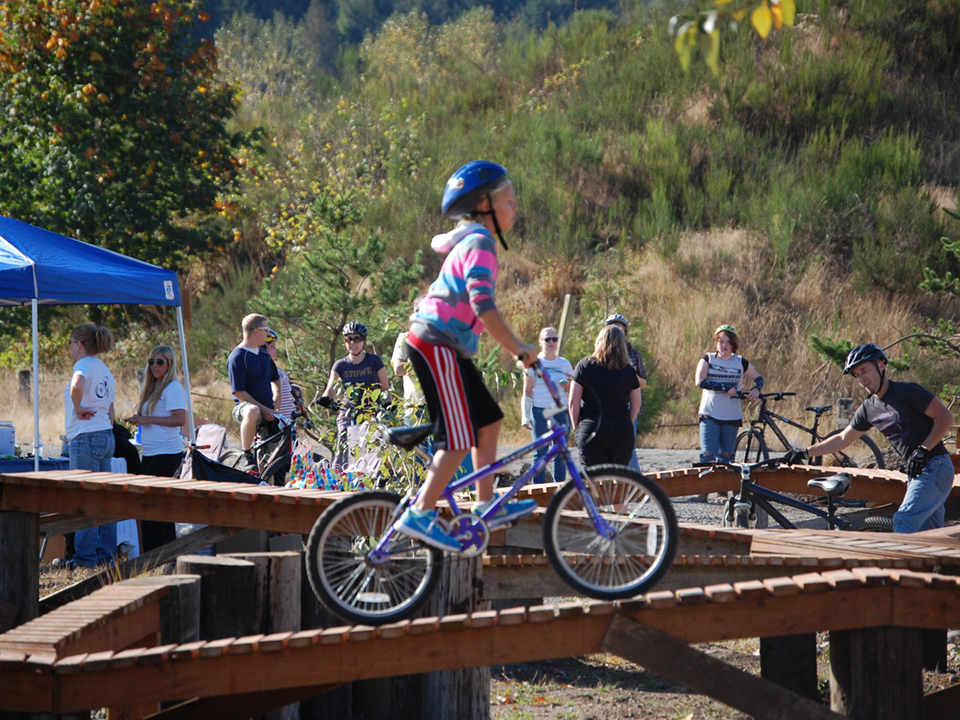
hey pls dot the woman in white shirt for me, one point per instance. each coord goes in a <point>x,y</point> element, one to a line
<point>161,413</point>
<point>88,403</point>
<point>536,398</point>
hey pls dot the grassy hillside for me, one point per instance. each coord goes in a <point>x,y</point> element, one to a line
<point>796,194</point>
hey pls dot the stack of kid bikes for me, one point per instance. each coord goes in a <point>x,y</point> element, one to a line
<point>609,533</point>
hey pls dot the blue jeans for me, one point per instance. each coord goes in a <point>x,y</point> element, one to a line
<point>539,428</point>
<point>922,506</point>
<point>717,440</point>
<point>94,451</point>
<point>634,459</point>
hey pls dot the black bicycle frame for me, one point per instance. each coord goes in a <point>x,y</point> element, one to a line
<point>765,418</point>
<point>762,497</point>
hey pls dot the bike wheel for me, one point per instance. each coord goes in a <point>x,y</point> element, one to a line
<point>874,523</point>
<point>277,472</point>
<point>347,583</point>
<point>864,454</point>
<point>750,447</point>
<point>645,534</point>
<point>231,458</point>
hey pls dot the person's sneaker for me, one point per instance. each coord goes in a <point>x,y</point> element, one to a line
<point>424,526</point>
<point>509,512</point>
<point>248,462</point>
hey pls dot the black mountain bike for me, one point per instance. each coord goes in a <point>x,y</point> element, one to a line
<point>749,507</point>
<point>752,444</point>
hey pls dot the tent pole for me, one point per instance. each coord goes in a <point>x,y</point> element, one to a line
<point>37,444</point>
<point>186,374</point>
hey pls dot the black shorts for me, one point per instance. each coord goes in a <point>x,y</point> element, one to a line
<point>458,401</point>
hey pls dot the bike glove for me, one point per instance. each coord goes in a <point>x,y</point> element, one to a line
<point>916,461</point>
<point>325,401</point>
<point>796,456</point>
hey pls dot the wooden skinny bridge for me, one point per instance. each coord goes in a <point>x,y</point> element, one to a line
<point>725,584</point>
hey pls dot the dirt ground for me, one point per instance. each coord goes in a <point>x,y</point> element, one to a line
<point>604,687</point>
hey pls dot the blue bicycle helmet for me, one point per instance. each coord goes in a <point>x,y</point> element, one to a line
<point>467,186</point>
<point>862,354</point>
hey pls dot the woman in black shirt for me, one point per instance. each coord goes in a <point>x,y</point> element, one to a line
<point>605,400</point>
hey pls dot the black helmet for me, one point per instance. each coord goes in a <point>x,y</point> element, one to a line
<point>354,328</point>
<point>861,354</point>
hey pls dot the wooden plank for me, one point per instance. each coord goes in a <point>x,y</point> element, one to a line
<point>942,704</point>
<point>676,661</point>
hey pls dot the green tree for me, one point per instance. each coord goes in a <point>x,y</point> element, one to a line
<point>113,124</point>
<point>344,272</point>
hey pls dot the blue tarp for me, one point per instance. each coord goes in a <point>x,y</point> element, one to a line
<point>57,270</point>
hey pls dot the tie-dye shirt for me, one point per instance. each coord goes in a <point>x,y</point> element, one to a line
<point>449,314</point>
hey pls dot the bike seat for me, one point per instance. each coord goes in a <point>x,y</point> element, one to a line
<point>833,485</point>
<point>819,410</point>
<point>407,437</point>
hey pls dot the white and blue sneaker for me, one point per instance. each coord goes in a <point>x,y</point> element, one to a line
<point>508,513</point>
<point>425,526</point>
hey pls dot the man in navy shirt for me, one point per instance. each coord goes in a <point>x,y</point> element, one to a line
<point>252,376</point>
<point>914,421</point>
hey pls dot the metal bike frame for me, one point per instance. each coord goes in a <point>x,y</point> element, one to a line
<point>555,437</point>
<point>764,497</point>
<point>766,417</point>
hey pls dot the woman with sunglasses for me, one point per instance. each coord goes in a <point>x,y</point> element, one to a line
<point>358,368</point>
<point>536,398</point>
<point>161,413</point>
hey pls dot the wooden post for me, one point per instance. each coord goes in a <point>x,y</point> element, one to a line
<point>336,703</point>
<point>934,644</point>
<point>19,568</point>
<point>876,673</point>
<point>565,317</point>
<point>23,385</point>
<point>179,624</point>
<point>277,607</point>
<point>228,590</point>
<point>790,661</point>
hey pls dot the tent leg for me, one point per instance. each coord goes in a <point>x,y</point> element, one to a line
<point>186,373</point>
<point>37,443</point>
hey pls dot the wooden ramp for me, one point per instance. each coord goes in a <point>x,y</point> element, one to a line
<point>833,600</point>
<point>79,493</point>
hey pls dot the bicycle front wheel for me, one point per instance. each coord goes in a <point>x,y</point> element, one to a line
<point>644,541</point>
<point>750,447</point>
<point>864,454</point>
<point>346,582</point>
<point>278,472</point>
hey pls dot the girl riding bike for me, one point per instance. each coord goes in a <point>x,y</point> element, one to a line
<point>444,333</point>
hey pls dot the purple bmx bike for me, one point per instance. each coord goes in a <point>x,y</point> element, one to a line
<point>609,532</point>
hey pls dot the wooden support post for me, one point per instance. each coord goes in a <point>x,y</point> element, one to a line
<point>277,602</point>
<point>876,673</point>
<point>19,568</point>
<point>934,644</point>
<point>790,661</point>
<point>228,590</point>
<point>676,661</point>
<point>335,703</point>
<point>179,624</point>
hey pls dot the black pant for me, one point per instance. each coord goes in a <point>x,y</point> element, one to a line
<point>611,444</point>
<point>158,532</point>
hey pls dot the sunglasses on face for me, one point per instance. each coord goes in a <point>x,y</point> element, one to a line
<point>551,339</point>
<point>156,361</point>
<point>354,338</point>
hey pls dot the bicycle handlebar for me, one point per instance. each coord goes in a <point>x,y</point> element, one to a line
<point>722,464</point>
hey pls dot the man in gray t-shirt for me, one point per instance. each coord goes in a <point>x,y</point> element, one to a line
<point>914,421</point>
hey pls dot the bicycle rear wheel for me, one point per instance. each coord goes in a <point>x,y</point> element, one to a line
<point>874,523</point>
<point>345,581</point>
<point>750,447</point>
<point>277,472</point>
<point>641,550</point>
<point>864,454</point>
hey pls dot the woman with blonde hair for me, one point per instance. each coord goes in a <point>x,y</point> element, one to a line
<point>88,401</point>
<point>161,413</point>
<point>604,401</point>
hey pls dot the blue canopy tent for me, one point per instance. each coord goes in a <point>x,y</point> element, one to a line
<point>40,267</point>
